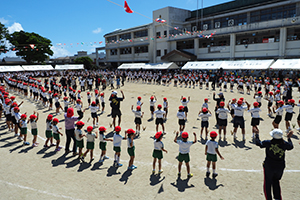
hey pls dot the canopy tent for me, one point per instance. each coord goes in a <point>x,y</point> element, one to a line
<point>66,67</point>
<point>247,64</point>
<point>148,66</point>
<point>286,64</point>
<point>14,68</point>
<point>209,65</point>
<point>37,67</point>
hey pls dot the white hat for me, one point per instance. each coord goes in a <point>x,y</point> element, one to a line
<point>276,133</point>
<point>114,92</point>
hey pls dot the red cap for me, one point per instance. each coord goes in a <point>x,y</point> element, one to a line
<point>16,108</point>
<point>50,117</point>
<point>130,131</point>
<point>89,129</point>
<point>88,93</point>
<point>65,98</point>
<point>181,107</point>
<point>291,100</point>
<point>222,103</point>
<point>12,97</point>
<point>184,135</point>
<point>93,102</point>
<point>138,107</point>
<point>7,101</point>
<point>117,128</point>
<point>271,93</point>
<point>255,104</point>
<point>158,135</point>
<point>70,112</point>
<point>213,134</point>
<point>14,104</point>
<point>280,102</point>
<point>165,98</point>
<point>277,91</point>
<point>259,92</point>
<point>183,98</point>
<point>240,102</point>
<point>80,123</point>
<point>139,98</point>
<point>23,116</point>
<point>206,99</point>
<point>159,106</point>
<point>78,100</point>
<point>50,91</point>
<point>55,120</point>
<point>102,94</point>
<point>204,110</point>
<point>32,116</point>
<point>79,91</point>
<point>102,128</point>
<point>152,97</point>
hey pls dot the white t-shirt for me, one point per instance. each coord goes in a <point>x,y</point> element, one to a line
<point>239,110</point>
<point>94,109</point>
<point>152,103</point>
<point>128,143</point>
<point>78,107</point>
<point>255,112</point>
<point>204,116</point>
<point>117,140</point>
<point>222,113</point>
<point>211,147</point>
<point>77,134</point>
<point>102,137</point>
<point>288,108</point>
<point>279,111</point>
<point>137,114</point>
<point>184,103</point>
<point>90,137</point>
<point>55,129</point>
<point>48,126</point>
<point>184,147</point>
<point>158,145</point>
<point>33,124</point>
<point>181,115</point>
<point>23,123</point>
<point>159,113</point>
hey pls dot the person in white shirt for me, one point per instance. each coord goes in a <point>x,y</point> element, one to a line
<point>255,118</point>
<point>33,122</point>
<point>79,138</point>
<point>90,142</point>
<point>94,108</point>
<point>159,114</point>
<point>222,122</point>
<point>103,143</point>
<point>181,119</point>
<point>211,151</point>
<point>289,109</point>
<point>23,127</point>
<point>184,150</point>
<point>138,118</point>
<point>278,112</point>
<point>184,102</point>
<point>131,148</point>
<point>205,104</point>
<point>157,151</point>
<point>238,120</point>
<point>258,96</point>
<point>79,109</point>
<point>166,107</point>
<point>117,140</point>
<point>56,133</point>
<point>102,102</point>
<point>152,105</point>
<point>204,115</point>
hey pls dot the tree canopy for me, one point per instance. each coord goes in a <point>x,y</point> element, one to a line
<point>86,61</point>
<point>30,46</point>
<point>3,35</point>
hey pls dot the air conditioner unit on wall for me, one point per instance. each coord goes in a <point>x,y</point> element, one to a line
<point>231,22</point>
<point>217,24</point>
<point>205,26</point>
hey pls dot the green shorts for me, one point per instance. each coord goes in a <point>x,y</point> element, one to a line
<point>34,131</point>
<point>23,131</point>
<point>183,157</point>
<point>211,157</point>
<point>117,149</point>
<point>130,151</point>
<point>79,144</point>
<point>90,145</point>
<point>56,136</point>
<point>157,154</point>
<point>49,134</point>
<point>102,146</point>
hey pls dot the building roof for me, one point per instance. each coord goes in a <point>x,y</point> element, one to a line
<point>181,53</point>
<point>13,59</point>
<point>230,7</point>
<point>126,30</point>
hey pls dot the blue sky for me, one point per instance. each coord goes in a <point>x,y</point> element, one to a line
<point>71,22</point>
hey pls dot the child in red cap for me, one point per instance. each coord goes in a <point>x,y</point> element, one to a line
<point>56,133</point>
<point>255,118</point>
<point>181,118</point>
<point>211,151</point>
<point>159,114</point>
<point>90,143</point>
<point>130,149</point>
<point>117,141</point>
<point>204,115</point>
<point>166,107</point>
<point>152,104</point>
<point>33,120</point>
<point>102,144</point>
<point>49,134</point>
<point>158,151</point>
<point>184,149</point>
<point>138,118</point>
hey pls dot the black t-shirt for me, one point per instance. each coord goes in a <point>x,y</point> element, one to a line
<point>115,102</point>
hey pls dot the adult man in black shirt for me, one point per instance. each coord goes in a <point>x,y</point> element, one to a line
<point>115,106</point>
<point>218,100</point>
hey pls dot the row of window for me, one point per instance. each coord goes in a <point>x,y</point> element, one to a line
<point>127,50</point>
<point>158,52</point>
<point>127,36</point>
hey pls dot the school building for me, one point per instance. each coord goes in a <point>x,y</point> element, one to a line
<point>237,30</point>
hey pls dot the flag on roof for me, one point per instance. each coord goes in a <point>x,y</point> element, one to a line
<point>159,20</point>
<point>126,8</point>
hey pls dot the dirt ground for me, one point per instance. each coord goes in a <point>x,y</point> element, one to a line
<point>38,173</point>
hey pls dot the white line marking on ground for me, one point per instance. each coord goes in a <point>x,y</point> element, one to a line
<point>36,190</point>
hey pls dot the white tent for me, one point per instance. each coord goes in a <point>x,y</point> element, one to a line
<point>66,67</point>
<point>286,64</point>
<point>247,64</point>
<point>37,67</point>
<point>14,68</point>
<point>148,66</point>
<point>209,65</point>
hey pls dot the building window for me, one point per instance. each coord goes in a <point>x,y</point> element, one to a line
<point>273,13</point>
<point>157,34</point>
<point>158,53</point>
<point>214,41</point>
<point>235,20</point>
<point>112,39</point>
<point>126,36</point>
<point>141,49</point>
<point>258,37</point>
<point>125,50</point>
<point>113,52</point>
<point>188,44</point>
<point>293,34</point>
<point>142,33</point>
<point>165,33</point>
<point>165,51</point>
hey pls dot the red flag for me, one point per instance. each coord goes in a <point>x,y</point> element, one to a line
<point>32,45</point>
<point>127,9</point>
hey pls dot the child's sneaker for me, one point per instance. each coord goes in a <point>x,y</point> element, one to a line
<point>190,175</point>
<point>153,171</point>
<point>34,145</point>
<point>119,165</point>
<point>215,175</point>
<point>207,174</point>
<point>105,157</point>
<point>52,145</point>
<point>179,174</point>
<point>82,158</point>
<point>160,171</point>
<point>26,143</point>
<point>58,149</point>
<point>15,134</point>
<point>101,161</point>
<point>133,167</point>
<point>46,146</point>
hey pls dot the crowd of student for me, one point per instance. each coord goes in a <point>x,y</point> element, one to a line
<point>49,89</point>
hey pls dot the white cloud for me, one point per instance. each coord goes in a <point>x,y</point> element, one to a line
<point>60,52</point>
<point>98,30</point>
<point>3,21</point>
<point>16,27</point>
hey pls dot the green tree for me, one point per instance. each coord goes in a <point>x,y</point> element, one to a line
<point>3,35</point>
<point>86,61</point>
<point>30,46</point>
